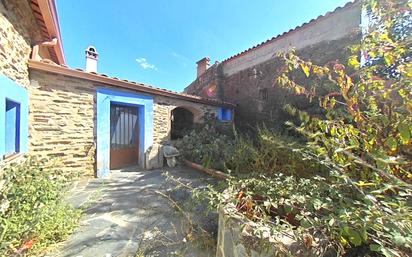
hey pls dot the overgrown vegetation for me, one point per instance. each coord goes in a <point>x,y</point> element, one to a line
<point>362,139</point>
<point>207,145</point>
<point>267,153</point>
<point>32,214</point>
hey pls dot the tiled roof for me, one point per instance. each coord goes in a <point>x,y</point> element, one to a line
<point>347,5</point>
<point>49,66</point>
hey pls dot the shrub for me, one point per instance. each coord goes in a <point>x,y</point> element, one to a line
<point>33,215</point>
<point>323,217</point>
<point>363,137</point>
<point>365,134</point>
<point>270,154</point>
<point>206,146</point>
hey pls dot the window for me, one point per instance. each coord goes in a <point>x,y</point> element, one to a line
<point>14,115</point>
<point>12,137</point>
<point>225,114</point>
<point>263,94</point>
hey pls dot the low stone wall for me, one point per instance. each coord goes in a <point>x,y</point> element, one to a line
<point>237,239</point>
<point>233,242</point>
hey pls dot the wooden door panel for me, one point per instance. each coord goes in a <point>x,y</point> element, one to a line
<point>124,136</point>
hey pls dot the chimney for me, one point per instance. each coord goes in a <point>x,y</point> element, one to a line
<point>91,59</point>
<point>202,66</point>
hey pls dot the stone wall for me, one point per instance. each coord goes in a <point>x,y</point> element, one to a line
<point>18,29</point>
<point>239,237</point>
<point>248,80</point>
<point>162,109</point>
<point>259,99</point>
<point>233,243</point>
<point>63,121</point>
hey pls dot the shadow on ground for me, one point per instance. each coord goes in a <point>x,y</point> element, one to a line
<point>133,213</point>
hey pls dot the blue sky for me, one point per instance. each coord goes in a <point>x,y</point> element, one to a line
<point>159,41</point>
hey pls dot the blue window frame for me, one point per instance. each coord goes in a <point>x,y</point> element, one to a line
<point>14,113</point>
<point>225,114</point>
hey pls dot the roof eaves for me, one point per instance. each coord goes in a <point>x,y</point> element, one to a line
<point>113,81</point>
<point>50,19</point>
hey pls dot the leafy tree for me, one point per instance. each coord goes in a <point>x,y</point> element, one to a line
<point>365,133</point>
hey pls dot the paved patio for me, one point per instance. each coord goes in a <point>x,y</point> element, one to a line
<point>131,214</point>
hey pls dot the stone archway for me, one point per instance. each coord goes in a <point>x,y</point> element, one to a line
<point>182,121</point>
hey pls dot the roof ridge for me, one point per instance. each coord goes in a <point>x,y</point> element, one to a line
<point>347,5</point>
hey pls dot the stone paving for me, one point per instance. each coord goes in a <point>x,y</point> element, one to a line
<point>130,214</point>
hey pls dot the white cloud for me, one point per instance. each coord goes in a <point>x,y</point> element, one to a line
<point>145,64</point>
<point>183,59</point>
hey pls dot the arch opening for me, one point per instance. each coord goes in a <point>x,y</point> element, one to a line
<point>182,122</point>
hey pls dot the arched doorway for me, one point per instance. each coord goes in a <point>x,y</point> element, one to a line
<point>182,122</point>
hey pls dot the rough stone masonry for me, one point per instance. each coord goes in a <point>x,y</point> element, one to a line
<point>248,78</point>
<point>63,121</point>
<point>15,40</point>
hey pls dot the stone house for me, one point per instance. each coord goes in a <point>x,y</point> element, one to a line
<point>90,121</point>
<point>247,79</point>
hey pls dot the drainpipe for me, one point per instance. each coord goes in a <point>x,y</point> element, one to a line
<point>36,48</point>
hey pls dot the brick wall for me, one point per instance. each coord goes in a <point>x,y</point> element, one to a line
<point>248,80</point>
<point>206,81</point>
<point>245,87</point>
<point>63,121</point>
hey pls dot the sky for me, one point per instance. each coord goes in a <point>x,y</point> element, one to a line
<point>158,42</point>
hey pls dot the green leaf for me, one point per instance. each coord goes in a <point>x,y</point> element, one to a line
<point>317,204</point>
<point>288,208</point>
<point>375,247</point>
<point>305,69</point>
<point>305,223</point>
<point>389,252</point>
<point>354,237</point>
<point>399,240</point>
<point>391,143</point>
<point>404,133</point>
